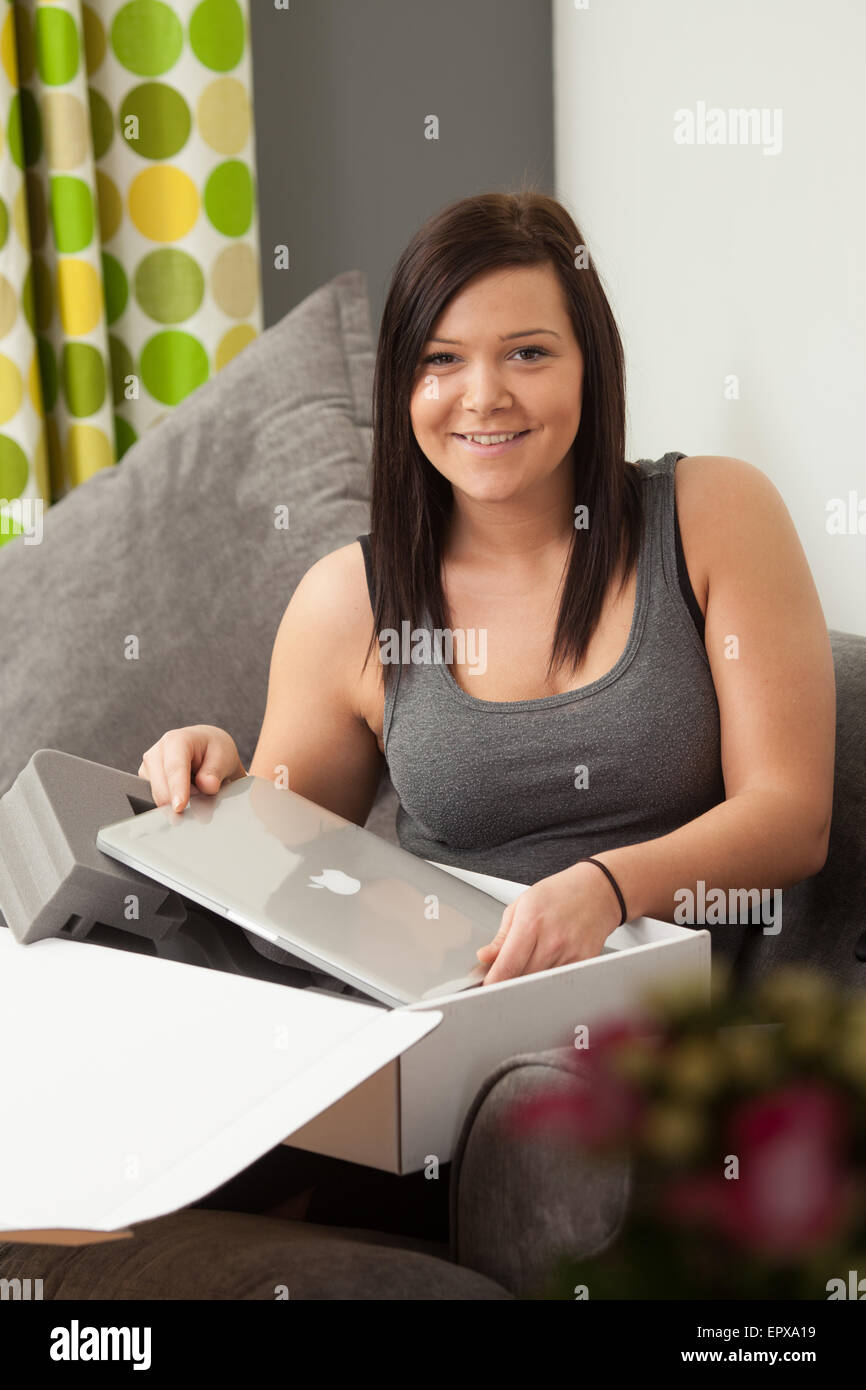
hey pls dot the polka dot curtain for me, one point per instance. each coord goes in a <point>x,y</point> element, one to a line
<point>129,261</point>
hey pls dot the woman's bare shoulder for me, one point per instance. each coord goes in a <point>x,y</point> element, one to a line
<point>336,585</point>
<point>329,615</point>
<point>713,494</point>
<point>705,480</point>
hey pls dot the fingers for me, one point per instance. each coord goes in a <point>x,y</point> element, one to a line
<point>167,765</point>
<point>212,771</point>
<point>489,952</point>
<point>177,776</point>
<point>153,771</point>
<point>514,954</point>
<point>193,761</point>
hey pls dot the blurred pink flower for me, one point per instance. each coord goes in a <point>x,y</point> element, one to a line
<point>792,1193</point>
<point>605,1109</point>
<point>608,1035</point>
<point>595,1115</point>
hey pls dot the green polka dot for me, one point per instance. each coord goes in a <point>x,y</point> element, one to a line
<point>57,52</point>
<point>101,122</point>
<point>9,530</point>
<point>228,197</point>
<point>4,223</point>
<point>24,129</point>
<point>83,378</point>
<point>172,365</point>
<point>216,33</point>
<point>116,286</point>
<point>147,37</point>
<point>47,372</point>
<point>169,285</point>
<point>72,213</point>
<point>122,366</point>
<point>124,436</point>
<point>163,120</point>
<point>94,38</point>
<point>13,131</point>
<point>14,468</point>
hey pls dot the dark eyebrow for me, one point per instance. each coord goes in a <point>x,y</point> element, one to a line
<point>524,333</point>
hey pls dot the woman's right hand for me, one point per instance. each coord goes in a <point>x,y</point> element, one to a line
<point>200,754</point>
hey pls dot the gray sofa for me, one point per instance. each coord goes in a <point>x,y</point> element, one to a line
<point>178,548</point>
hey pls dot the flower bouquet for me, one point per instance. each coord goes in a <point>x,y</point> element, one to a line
<point>745,1123</point>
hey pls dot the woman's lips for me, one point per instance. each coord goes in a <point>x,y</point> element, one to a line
<point>491,451</point>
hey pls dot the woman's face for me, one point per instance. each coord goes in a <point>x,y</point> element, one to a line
<point>503,358</point>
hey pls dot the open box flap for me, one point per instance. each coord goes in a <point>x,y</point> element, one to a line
<point>505,890</point>
<point>131,1086</point>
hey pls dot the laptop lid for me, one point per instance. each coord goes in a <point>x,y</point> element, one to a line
<point>337,896</point>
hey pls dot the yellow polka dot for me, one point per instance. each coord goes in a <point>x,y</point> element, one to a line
<point>232,343</point>
<point>34,384</point>
<point>8,51</point>
<point>19,216</point>
<point>234,280</point>
<point>11,388</point>
<point>8,306</point>
<point>110,205</point>
<point>223,115</point>
<point>88,449</point>
<point>66,126</point>
<point>163,203</point>
<point>79,296</point>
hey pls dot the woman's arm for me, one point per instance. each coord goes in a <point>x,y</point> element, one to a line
<point>313,724</point>
<point>772,666</point>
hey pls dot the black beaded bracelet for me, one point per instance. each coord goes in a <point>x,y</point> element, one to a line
<point>613,883</point>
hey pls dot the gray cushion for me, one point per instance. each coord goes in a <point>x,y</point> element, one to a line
<point>518,1203</point>
<point>823,916</point>
<point>177,547</point>
<point>199,1254</point>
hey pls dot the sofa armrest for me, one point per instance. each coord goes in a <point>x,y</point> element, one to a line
<point>518,1202</point>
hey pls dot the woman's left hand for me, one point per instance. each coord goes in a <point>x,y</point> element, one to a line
<point>563,918</point>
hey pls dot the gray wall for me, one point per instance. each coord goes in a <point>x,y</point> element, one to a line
<point>341,90</point>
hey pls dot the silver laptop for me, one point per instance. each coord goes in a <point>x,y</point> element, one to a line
<point>330,893</point>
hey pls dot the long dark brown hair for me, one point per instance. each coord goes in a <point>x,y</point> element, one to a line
<point>411,501</point>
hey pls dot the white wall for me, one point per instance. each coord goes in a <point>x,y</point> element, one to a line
<point>721,260</point>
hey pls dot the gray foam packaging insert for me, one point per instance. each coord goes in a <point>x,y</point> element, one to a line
<point>55,881</point>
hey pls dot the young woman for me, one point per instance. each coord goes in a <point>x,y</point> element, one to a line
<point>657,692</point>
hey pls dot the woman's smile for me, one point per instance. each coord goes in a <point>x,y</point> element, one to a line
<point>492,450</point>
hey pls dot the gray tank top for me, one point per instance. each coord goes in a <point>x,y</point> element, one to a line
<point>522,788</point>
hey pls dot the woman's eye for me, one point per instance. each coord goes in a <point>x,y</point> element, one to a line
<point>436,358</point>
<point>541,351</point>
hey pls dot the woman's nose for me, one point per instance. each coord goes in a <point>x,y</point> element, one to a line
<point>485,391</point>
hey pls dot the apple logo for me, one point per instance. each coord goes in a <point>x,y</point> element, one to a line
<point>335,881</point>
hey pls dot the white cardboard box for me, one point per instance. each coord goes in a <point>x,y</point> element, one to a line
<point>413,1108</point>
<point>131,1086</point>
